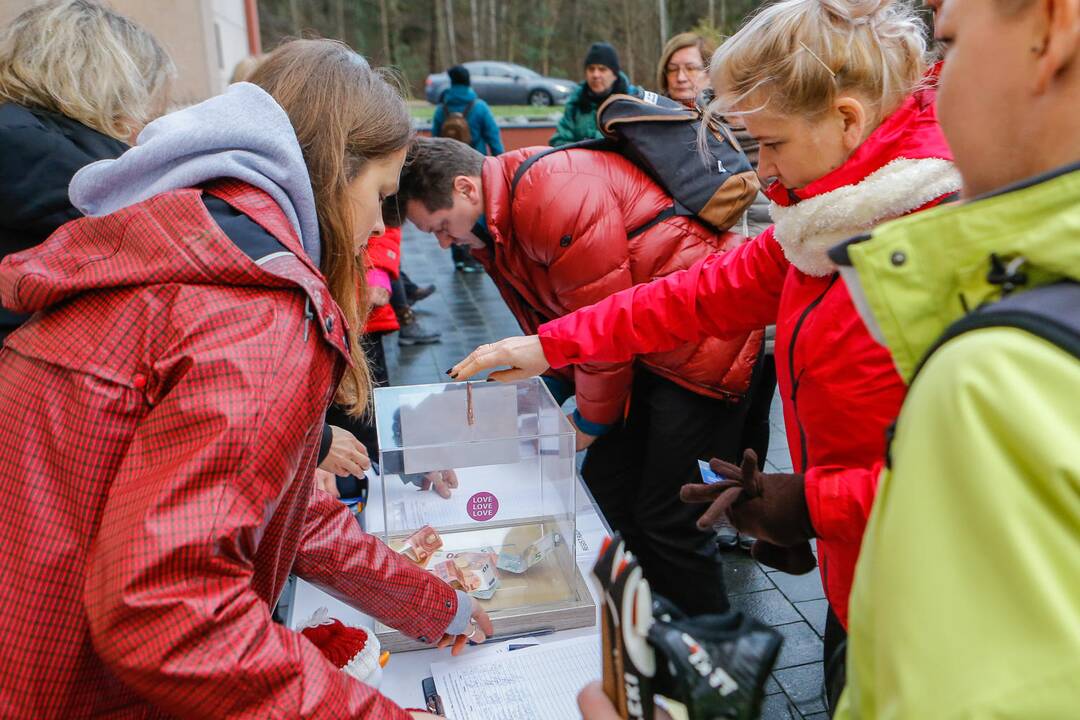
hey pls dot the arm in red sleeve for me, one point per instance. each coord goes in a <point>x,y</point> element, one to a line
<point>722,294</point>
<point>358,569</point>
<point>197,509</point>
<point>840,499</point>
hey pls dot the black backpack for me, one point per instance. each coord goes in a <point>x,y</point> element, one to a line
<point>456,124</point>
<point>661,137</point>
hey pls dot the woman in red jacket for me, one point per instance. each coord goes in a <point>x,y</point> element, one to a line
<point>831,90</point>
<point>160,412</point>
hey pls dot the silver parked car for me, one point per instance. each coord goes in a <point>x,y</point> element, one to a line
<point>501,83</point>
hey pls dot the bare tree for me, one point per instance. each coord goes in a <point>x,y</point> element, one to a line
<point>712,12</point>
<point>474,16</point>
<point>662,5</point>
<point>493,39</point>
<point>384,22</point>
<point>294,15</point>
<point>628,29</point>
<point>339,17</point>
<point>451,43</point>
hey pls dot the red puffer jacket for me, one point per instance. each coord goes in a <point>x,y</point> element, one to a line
<point>159,421</point>
<point>567,241</point>
<point>839,387</point>
<point>384,253</point>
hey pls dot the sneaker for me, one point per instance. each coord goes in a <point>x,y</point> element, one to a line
<point>414,333</point>
<point>727,537</point>
<point>714,665</point>
<point>416,293</point>
<point>471,265</point>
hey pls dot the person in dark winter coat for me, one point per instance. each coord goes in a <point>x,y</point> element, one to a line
<point>56,118</point>
<point>459,98</point>
<point>603,78</point>
<point>565,239</point>
<point>189,334</point>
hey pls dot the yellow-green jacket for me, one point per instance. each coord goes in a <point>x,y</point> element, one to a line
<point>966,602</point>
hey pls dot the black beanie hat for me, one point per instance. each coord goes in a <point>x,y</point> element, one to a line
<point>602,53</point>
<point>459,75</point>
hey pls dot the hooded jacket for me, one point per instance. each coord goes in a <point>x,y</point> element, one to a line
<point>839,388</point>
<point>39,153</point>
<point>160,468</point>
<point>566,239</point>
<point>482,126</point>
<point>578,121</point>
<point>965,602</point>
<point>384,255</point>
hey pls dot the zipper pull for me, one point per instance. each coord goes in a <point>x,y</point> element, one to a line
<point>308,316</point>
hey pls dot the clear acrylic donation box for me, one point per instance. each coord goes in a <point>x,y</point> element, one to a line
<point>506,533</point>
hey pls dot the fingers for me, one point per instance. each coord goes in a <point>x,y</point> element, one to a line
<point>702,493</point>
<point>512,375</point>
<point>450,476</point>
<point>719,508</point>
<point>482,619</point>
<point>595,705</point>
<point>749,465</point>
<point>441,487</point>
<point>484,357</point>
<point>459,645</point>
<point>725,469</point>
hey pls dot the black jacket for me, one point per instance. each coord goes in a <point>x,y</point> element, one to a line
<point>40,151</point>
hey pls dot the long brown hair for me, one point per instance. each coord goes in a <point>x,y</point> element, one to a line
<point>344,114</point>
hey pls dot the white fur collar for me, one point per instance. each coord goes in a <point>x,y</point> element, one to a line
<point>807,229</point>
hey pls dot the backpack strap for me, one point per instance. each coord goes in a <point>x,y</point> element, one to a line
<point>1049,312</point>
<point>590,144</point>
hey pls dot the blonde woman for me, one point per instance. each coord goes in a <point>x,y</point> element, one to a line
<point>77,83</point>
<point>834,90</point>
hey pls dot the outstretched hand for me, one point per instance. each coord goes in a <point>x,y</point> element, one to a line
<point>524,355</point>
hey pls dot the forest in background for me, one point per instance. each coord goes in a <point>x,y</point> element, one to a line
<point>550,36</point>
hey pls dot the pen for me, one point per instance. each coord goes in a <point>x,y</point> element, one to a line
<point>517,636</point>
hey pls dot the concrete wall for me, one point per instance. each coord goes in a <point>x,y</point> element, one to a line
<point>206,38</point>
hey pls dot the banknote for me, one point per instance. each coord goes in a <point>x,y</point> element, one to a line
<point>472,571</point>
<point>512,561</point>
<point>422,544</point>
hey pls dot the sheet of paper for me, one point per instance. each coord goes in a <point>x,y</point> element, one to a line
<point>536,683</point>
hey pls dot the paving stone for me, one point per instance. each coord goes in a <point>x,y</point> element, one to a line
<point>814,612</point>
<point>801,645</point>
<point>799,588</point>
<point>803,685</point>
<point>778,707</point>
<point>743,575</point>
<point>768,606</point>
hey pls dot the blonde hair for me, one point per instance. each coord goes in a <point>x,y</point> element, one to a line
<point>83,60</point>
<point>799,55</point>
<point>679,42</point>
<point>245,68</point>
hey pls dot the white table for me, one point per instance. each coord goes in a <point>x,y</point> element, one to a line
<point>406,670</point>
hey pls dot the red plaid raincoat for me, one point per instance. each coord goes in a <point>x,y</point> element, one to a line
<point>159,421</point>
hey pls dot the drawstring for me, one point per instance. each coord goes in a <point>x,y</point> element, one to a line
<point>308,316</point>
<point>1008,276</point>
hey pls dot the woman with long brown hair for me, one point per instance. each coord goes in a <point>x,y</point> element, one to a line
<point>160,412</point>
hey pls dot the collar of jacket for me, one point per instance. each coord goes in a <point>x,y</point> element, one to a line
<point>903,165</point>
<point>458,96</point>
<point>589,101</point>
<point>914,277</point>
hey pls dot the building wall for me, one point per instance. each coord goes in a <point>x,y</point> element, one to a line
<point>206,38</point>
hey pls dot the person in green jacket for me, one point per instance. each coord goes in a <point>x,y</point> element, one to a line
<point>603,78</point>
<point>966,601</point>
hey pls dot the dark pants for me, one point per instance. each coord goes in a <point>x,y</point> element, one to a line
<point>835,660</point>
<point>362,427</point>
<point>756,430</point>
<point>635,472</point>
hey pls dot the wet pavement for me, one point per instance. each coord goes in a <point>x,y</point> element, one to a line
<point>468,311</point>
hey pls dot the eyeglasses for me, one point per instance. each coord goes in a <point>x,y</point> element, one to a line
<point>691,71</point>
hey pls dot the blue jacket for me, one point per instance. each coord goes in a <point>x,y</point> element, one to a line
<point>481,122</point>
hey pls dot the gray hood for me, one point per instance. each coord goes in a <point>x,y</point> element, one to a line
<point>242,134</point>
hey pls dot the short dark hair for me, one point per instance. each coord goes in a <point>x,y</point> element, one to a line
<point>430,169</point>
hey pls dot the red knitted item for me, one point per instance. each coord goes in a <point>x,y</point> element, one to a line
<point>337,641</point>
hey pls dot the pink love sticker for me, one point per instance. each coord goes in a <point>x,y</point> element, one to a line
<point>483,506</point>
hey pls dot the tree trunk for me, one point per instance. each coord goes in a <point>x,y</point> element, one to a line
<point>628,28</point>
<point>384,23</point>
<point>547,22</point>
<point>493,39</point>
<point>451,42</point>
<point>509,18</point>
<point>712,13</point>
<point>339,17</point>
<point>474,16</point>
<point>294,15</point>
<point>433,47</point>
<point>662,4</point>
